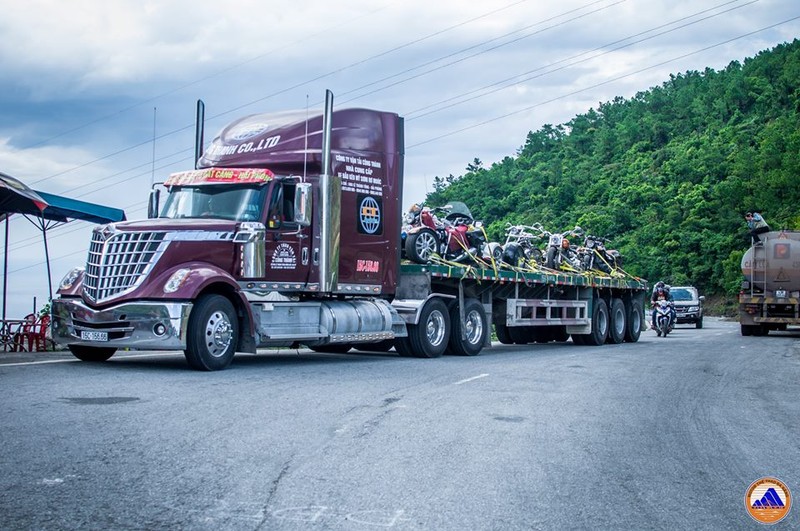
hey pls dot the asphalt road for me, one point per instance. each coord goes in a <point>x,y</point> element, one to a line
<point>659,434</point>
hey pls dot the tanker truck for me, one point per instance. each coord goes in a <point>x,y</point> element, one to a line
<point>286,234</point>
<point>770,294</point>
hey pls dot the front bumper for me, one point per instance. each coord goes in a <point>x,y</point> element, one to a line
<point>138,325</point>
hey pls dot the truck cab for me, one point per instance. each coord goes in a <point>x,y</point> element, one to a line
<point>286,234</point>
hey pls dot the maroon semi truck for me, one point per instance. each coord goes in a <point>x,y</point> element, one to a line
<point>288,233</point>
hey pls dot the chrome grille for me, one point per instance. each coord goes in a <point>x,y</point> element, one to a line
<point>118,263</point>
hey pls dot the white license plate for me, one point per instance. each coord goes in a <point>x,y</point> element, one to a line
<point>780,293</point>
<point>88,335</point>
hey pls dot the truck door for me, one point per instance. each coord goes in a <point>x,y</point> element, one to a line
<point>287,243</point>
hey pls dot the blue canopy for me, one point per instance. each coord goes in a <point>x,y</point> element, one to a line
<point>45,210</point>
<point>60,208</point>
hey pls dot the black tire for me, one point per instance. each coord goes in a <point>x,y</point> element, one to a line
<point>503,336</point>
<point>541,334</point>
<point>617,322</point>
<point>92,354</point>
<point>699,323</point>
<point>429,338</point>
<point>421,245</point>
<point>520,335</point>
<point>550,258</point>
<point>747,330</point>
<point>475,327</point>
<point>636,322</point>
<point>338,348</point>
<point>212,334</point>
<point>559,334</point>
<point>600,323</point>
<point>579,339</point>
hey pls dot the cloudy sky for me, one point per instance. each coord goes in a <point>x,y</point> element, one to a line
<point>99,97</point>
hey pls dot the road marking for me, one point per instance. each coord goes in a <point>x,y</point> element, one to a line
<point>484,375</point>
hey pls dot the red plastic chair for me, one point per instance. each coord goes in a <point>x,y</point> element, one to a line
<point>22,337</point>
<point>32,334</point>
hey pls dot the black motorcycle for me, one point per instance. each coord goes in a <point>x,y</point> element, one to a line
<point>595,256</point>
<point>521,248</point>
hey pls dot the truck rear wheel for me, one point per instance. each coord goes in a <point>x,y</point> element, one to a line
<point>617,318</point>
<point>94,354</point>
<point>421,245</point>
<point>428,338</point>
<point>599,323</point>
<point>474,326</point>
<point>633,328</point>
<point>212,333</point>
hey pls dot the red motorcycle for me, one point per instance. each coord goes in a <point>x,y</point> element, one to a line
<point>448,231</point>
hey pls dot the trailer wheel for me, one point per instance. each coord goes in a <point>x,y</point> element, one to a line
<point>428,338</point>
<point>212,333</point>
<point>747,330</point>
<point>579,339</point>
<point>559,334</point>
<point>93,354</point>
<point>520,335</point>
<point>599,323</point>
<point>502,333</point>
<point>421,245</point>
<point>635,323</point>
<point>617,318</point>
<point>474,326</point>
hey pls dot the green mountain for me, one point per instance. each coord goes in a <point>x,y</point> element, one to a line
<point>667,174</point>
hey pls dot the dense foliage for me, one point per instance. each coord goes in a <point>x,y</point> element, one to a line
<point>667,174</point>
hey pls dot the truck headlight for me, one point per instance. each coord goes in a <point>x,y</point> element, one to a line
<point>70,278</point>
<point>175,281</point>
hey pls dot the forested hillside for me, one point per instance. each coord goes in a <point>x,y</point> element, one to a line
<point>667,175</point>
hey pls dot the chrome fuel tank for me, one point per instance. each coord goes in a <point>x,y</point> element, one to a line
<point>774,264</point>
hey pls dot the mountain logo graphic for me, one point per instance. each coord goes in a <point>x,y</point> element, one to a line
<point>768,500</point>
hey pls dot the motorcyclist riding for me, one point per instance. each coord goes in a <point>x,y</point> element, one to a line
<point>661,291</point>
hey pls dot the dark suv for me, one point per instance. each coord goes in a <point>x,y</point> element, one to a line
<point>688,305</point>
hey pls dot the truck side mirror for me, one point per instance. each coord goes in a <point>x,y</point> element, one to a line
<point>152,203</point>
<point>302,204</point>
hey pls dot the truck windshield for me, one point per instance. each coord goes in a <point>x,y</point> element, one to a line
<point>239,203</point>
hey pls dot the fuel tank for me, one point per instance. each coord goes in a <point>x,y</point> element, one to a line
<point>775,264</point>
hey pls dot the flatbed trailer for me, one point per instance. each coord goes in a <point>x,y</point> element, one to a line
<point>524,306</point>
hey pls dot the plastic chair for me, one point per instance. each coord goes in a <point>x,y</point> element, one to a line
<point>32,334</point>
<point>22,335</point>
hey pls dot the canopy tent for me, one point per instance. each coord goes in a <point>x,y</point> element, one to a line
<point>45,211</point>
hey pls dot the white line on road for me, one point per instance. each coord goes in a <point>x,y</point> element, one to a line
<point>484,375</point>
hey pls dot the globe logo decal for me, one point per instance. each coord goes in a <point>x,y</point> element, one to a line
<point>370,215</point>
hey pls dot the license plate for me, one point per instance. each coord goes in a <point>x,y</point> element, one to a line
<point>780,293</point>
<point>88,335</point>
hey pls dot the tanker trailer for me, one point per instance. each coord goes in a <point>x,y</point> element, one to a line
<point>770,294</point>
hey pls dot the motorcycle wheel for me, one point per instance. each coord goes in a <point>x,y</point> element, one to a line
<point>550,260</point>
<point>421,245</point>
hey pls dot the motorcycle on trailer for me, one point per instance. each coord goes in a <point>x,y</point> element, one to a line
<point>561,255</point>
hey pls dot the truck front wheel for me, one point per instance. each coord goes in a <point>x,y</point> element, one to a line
<point>211,337</point>
<point>428,338</point>
<point>94,354</point>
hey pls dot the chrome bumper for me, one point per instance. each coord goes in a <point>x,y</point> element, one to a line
<point>138,325</point>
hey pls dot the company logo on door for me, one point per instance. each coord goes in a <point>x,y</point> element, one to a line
<point>283,257</point>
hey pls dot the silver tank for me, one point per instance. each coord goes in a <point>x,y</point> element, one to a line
<point>777,261</point>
